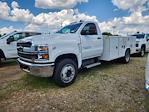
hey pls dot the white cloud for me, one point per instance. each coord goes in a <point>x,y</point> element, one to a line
<point>14,5</point>
<point>18,14</point>
<point>132,5</point>
<point>58,4</point>
<point>54,20</point>
<point>9,29</point>
<point>130,24</point>
<point>44,21</point>
<point>4,10</point>
<point>23,15</point>
<point>127,25</point>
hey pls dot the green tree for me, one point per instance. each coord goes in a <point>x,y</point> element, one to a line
<point>107,33</point>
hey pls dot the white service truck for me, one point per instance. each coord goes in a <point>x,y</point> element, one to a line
<point>78,45</point>
<point>142,43</point>
<point>8,43</point>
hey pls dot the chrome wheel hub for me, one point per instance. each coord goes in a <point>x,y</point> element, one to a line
<point>68,73</point>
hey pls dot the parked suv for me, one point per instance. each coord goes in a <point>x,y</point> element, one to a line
<point>8,43</point>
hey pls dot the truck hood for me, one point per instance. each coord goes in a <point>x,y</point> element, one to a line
<point>46,38</point>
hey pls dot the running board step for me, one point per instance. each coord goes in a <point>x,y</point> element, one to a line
<point>93,65</point>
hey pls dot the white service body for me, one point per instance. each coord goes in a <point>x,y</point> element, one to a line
<point>115,46</point>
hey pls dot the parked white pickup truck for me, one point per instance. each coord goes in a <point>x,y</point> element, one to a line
<point>142,44</point>
<point>8,43</point>
<point>75,46</point>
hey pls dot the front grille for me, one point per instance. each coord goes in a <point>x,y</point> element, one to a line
<point>20,49</point>
<point>23,50</point>
<point>25,44</point>
<point>28,56</point>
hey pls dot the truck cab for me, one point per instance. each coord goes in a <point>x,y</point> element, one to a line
<point>142,43</point>
<point>75,46</point>
<point>8,43</point>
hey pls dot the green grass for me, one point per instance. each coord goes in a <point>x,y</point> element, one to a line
<point>106,87</point>
<point>10,62</point>
<point>27,82</point>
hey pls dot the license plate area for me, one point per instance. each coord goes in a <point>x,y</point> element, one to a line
<point>25,67</point>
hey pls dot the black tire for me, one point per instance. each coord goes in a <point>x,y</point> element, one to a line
<point>126,58</point>
<point>142,52</point>
<point>62,73</point>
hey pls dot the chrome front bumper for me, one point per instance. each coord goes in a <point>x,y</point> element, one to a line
<point>40,70</point>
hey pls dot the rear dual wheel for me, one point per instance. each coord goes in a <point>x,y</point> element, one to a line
<point>126,58</point>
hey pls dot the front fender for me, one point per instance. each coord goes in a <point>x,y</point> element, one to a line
<point>77,54</point>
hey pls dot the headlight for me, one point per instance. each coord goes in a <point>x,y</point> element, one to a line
<point>43,56</point>
<point>42,48</point>
<point>42,51</point>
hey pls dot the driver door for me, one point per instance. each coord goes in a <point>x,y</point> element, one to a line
<point>92,43</point>
<point>12,45</point>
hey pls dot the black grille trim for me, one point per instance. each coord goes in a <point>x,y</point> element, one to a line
<point>28,56</point>
<point>25,44</point>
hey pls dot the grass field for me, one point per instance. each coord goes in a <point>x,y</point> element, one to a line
<point>111,87</point>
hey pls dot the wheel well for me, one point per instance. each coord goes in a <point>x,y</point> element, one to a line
<point>2,55</point>
<point>128,49</point>
<point>70,56</point>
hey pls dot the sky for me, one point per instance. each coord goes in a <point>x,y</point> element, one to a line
<point>118,16</point>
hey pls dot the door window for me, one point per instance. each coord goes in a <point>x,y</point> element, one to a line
<point>18,36</point>
<point>89,29</point>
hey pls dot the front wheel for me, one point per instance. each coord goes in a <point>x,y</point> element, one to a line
<point>65,72</point>
<point>126,58</point>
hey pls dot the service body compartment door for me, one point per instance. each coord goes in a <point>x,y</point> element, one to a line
<point>122,46</point>
<point>110,49</point>
<point>114,51</point>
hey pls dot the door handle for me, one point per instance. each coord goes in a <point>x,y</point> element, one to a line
<point>99,38</point>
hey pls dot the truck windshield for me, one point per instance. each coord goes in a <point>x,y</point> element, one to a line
<point>139,36</point>
<point>70,28</point>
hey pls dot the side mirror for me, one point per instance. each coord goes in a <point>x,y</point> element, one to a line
<point>10,39</point>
